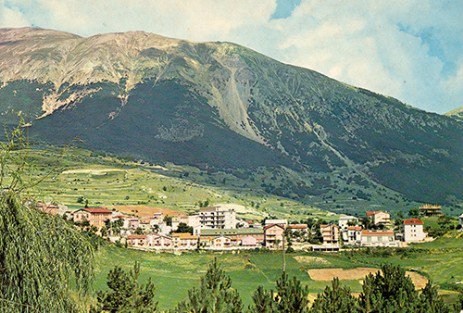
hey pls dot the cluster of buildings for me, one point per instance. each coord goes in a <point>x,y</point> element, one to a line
<point>212,228</point>
<point>377,231</point>
<point>217,228</point>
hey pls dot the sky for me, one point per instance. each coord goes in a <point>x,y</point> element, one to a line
<point>411,50</point>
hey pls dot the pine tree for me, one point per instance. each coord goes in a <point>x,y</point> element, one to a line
<point>215,294</point>
<point>291,296</point>
<point>125,294</point>
<point>335,299</point>
<point>262,301</point>
<point>430,301</point>
<point>388,291</point>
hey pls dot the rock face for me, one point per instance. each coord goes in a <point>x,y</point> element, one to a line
<point>220,105</point>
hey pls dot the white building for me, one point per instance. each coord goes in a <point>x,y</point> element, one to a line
<point>352,235</point>
<point>461,219</point>
<point>217,218</point>
<point>413,230</point>
<point>378,238</point>
<point>283,223</point>
<point>195,222</point>
<point>345,219</point>
<point>380,217</point>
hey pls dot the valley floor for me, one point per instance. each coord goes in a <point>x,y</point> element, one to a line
<point>440,261</point>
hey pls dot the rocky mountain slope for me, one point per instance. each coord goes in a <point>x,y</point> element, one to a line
<point>456,113</point>
<point>222,107</point>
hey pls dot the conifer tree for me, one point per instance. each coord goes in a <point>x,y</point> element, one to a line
<point>215,294</point>
<point>388,291</point>
<point>430,302</point>
<point>291,295</point>
<point>262,301</point>
<point>335,299</point>
<point>125,294</point>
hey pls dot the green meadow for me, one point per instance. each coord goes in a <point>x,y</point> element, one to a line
<point>440,261</point>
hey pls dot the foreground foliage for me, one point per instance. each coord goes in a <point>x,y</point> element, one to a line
<point>215,294</point>
<point>40,255</point>
<point>125,294</point>
<point>389,290</point>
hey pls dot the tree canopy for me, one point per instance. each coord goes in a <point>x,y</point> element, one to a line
<point>41,256</point>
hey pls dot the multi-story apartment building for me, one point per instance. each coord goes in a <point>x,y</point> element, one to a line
<point>217,218</point>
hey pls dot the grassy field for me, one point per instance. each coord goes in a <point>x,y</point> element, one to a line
<point>173,275</point>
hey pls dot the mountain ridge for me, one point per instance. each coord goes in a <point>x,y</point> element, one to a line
<point>226,107</point>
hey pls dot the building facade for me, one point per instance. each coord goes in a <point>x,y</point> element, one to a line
<point>217,218</point>
<point>413,230</point>
<point>95,216</point>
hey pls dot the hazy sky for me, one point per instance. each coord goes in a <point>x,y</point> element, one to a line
<point>408,49</point>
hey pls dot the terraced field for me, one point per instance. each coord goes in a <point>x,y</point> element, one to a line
<point>65,177</point>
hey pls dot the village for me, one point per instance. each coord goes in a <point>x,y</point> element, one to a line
<point>218,228</point>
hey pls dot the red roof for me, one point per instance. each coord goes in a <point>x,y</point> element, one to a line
<point>297,226</point>
<point>98,210</point>
<point>136,237</point>
<point>273,225</point>
<point>354,228</point>
<point>377,233</point>
<point>371,213</point>
<point>413,221</point>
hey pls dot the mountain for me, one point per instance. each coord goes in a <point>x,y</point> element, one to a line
<point>456,113</point>
<point>222,107</point>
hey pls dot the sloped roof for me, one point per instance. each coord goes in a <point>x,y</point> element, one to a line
<point>136,237</point>
<point>297,226</point>
<point>413,221</point>
<point>237,231</point>
<point>377,233</point>
<point>184,236</point>
<point>98,210</point>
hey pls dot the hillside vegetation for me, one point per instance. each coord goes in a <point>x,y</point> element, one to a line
<point>221,107</point>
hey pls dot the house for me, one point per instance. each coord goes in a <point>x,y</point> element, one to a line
<point>194,221</point>
<point>379,217</point>
<point>377,238</point>
<point>250,242</point>
<point>49,208</point>
<point>217,218</point>
<point>274,236</point>
<point>413,230</point>
<point>352,235</point>
<point>301,228</point>
<point>222,242</point>
<point>345,220</point>
<point>137,241</point>
<point>330,233</point>
<point>178,219</point>
<point>431,210</point>
<point>95,216</point>
<point>160,242</point>
<point>132,223</point>
<point>184,241</point>
<point>236,236</point>
<point>460,219</point>
<point>145,224</point>
<point>281,222</point>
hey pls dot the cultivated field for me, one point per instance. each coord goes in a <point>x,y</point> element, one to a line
<point>359,273</point>
<point>112,183</point>
<point>173,275</point>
